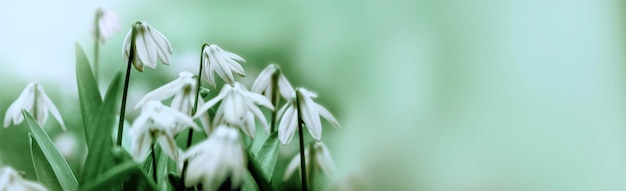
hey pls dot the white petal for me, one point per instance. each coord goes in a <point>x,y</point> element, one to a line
<point>323,159</point>
<point>161,93</point>
<point>259,115</point>
<point>53,109</point>
<point>181,117</point>
<point>293,165</point>
<point>163,46</point>
<point>234,66</point>
<point>231,55</point>
<point>168,145</point>
<point>126,46</point>
<point>222,69</point>
<point>285,87</point>
<point>144,47</point>
<point>141,145</point>
<point>211,102</point>
<point>263,80</point>
<point>208,69</point>
<point>311,117</point>
<point>40,109</point>
<point>287,125</point>
<point>249,126</point>
<point>259,99</point>
<point>31,186</point>
<point>327,115</point>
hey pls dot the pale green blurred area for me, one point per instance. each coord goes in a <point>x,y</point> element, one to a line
<point>432,95</point>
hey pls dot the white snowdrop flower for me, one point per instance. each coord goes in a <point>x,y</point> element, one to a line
<point>159,122</point>
<point>148,46</point>
<point>311,113</point>
<point>34,100</point>
<point>183,93</point>
<point>238,108</point>
<point>263,84</point>
<point>322,161</point>
<point>12,180</point>
<point>224,63</point>
<point>107,23</point>
<point>216,159</point>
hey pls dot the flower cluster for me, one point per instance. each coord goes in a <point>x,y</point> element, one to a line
<point>228,120</point>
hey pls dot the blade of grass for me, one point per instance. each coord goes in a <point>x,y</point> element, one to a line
<point>61,169</point>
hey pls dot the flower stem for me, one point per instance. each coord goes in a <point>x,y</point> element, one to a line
<point>193,112</point>
<point>275,99</point>
<point>312,153</point>
<point>302,156</point>
<point>96,45</point>
<point>154,161</point>
<point>131,55</point>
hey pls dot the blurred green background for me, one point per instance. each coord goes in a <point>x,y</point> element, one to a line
<point>432,94</point>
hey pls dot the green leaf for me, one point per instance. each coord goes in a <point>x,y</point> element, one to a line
<point>88,92</point>
<point>99,154</point>
<point>255,170</point>
<point>267,155</point>
<point>248,184</point>
<point>61,169</point>
<point>44,171</point>
<point>127,172</point>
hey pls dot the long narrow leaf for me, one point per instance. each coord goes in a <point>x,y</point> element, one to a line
<point>99,156</point>
<point>255,171</point>
<point>267,155</point>
<point>44,171</point>
<point>129,172</point>
<point>61,169</point>
<point>88,92</point>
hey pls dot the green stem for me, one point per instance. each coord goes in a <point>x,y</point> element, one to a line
<point>96,48</point>
<point>131,54</point>
<point>275,99</point>
<point>312,153</point>
<point>302,161</point>
<point>193,112</point>
<point>154,161</point>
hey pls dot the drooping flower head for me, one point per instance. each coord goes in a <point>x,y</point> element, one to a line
<point>224,63</point>
<point>310,115</point>
<point>34,100</point>
<point>183,93</point>
<point>264,83</point>
<point>214,160</point>
<point>322,160</point>
<point>12,180</point>
<point>159,122</point>
<point>107,23</point>
<point>144,45</point>
<point>238,108</point>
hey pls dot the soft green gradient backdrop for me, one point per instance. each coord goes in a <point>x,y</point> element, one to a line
<point>433,95</point>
